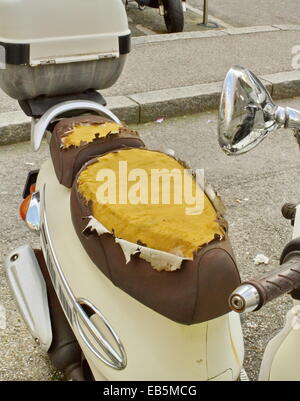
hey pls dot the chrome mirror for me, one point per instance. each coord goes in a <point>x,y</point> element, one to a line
<point>247,112</point>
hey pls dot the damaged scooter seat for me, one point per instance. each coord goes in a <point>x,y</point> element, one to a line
<point>180,265</point>
<point>76,140</point>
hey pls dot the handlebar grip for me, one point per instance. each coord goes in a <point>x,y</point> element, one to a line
<point>254,294</point>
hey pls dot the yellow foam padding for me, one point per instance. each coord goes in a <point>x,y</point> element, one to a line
<point>87,133</point>
<point>165,227</point>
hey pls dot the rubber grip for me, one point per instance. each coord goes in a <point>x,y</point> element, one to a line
<point>280,281</point>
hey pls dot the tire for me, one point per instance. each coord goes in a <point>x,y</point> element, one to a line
<point>174,16</point>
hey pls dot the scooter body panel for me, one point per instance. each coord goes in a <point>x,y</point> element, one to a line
<point>23,275</point>
<point>281,359</point>
<point>156,347</point>
<point>286,360</point>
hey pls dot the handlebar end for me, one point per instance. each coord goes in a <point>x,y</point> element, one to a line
<point>244,299</point>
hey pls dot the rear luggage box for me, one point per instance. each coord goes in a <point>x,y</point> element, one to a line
<point>55,48</point>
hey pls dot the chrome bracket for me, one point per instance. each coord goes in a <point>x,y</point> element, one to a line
<point>39,127</point>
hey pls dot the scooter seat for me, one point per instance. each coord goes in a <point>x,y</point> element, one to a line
<point>76,140</point>
<point>181,266</point>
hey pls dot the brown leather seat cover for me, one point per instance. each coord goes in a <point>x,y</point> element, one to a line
<point>67,162</point>
<point>195,293</point>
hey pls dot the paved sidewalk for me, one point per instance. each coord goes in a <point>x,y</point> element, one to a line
<point>185,62</point>
<point>179,74</point>
<point>178,63</point>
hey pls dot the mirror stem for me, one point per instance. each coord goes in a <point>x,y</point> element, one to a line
<point>293,118</point>
<point>287,117</point>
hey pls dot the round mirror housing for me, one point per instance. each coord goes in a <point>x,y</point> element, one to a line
<point>247,113</point>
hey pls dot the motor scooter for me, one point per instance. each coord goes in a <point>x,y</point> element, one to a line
<point>169,325</point>
<point>171,10</point>
<point>94,322</point>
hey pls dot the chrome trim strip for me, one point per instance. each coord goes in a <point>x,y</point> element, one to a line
<point>32,218</point>
<point>118,360</point>
<point>243,376</point>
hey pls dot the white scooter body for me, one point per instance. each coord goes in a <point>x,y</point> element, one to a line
<point>281,359</point>
<point>156,347</point>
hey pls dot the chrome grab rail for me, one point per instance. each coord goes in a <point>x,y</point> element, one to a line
<point>116,361</point>
<point>39,127</point>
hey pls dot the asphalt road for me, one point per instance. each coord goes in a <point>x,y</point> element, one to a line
<point>253,12</point>
<point>235,13</point>
<point>253,187</point>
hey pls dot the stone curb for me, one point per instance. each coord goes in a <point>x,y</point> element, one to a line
<point>141,40</point>
<point>166,103</point>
